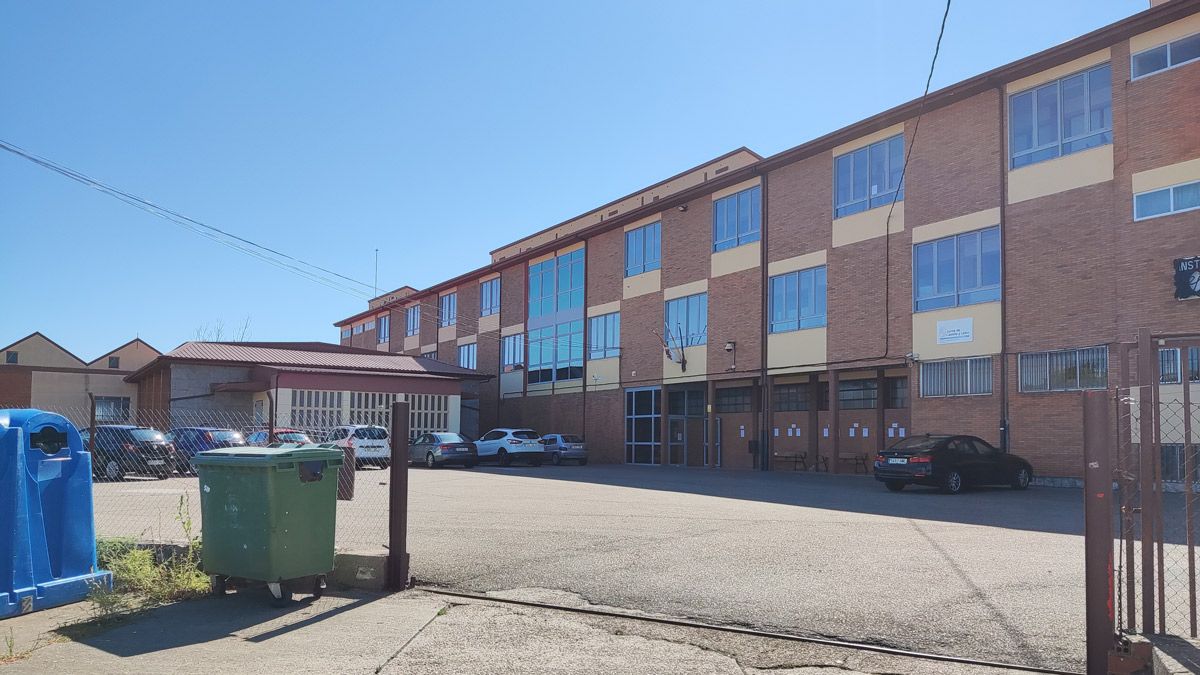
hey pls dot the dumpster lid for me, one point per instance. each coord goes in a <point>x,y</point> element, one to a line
<point>260,455</point>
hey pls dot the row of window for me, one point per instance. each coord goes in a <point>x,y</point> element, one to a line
<point>800,397</point>
<point>1171,368</point>
<point>1054,119</point>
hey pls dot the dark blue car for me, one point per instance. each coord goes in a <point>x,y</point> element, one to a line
<point>190,440</point>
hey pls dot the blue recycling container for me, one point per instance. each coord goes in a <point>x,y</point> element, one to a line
<point>47,534</point>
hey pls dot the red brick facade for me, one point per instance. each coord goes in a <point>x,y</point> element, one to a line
<point>1079,272</point>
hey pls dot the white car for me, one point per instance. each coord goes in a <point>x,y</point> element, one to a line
<point>370,444</point>
<point>505,445</point>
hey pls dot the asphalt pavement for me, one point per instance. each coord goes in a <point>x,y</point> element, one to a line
<point>992,574</point>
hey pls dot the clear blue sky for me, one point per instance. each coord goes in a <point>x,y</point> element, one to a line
<point>432,131</point>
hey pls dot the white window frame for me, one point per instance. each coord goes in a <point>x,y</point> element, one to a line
<point>1060,140</point>
<point>1170,190</point>
<point>489,297</point>
<point>467,355</point>
<point>447,310</point>
<point>1170,66</point>
<point>412,321</point>
<point>599,344</point>
<point>512,351</point>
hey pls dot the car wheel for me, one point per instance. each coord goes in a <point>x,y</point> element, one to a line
<point>430,462</point>
<point>503,458</point>
<point>1021,479</point>
<point>895,485</point>
<point>952,483</point>
<point>556,459</point>
<point>113,470</point>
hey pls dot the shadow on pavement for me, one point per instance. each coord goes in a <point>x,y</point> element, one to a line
<point>196,622</point>
<point>1039,509</point>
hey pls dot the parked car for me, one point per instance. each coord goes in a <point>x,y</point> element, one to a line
<point>282,435</point>
<point>124,449</point>
<point>562,447</point>
<point>951,463</point>
<point>370,443</point>
<point>505,445</point>
<point>438,449</point>
<point>191,440</point>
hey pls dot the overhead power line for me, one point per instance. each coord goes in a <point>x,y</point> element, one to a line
<point>272,256</point>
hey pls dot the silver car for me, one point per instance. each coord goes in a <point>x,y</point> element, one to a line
<point>440,448</point>
<point>562,447</point>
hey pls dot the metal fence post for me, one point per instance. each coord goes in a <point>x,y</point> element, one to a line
<point>1098,539</point>
<point>397,564</point>
<point>1148,495</point>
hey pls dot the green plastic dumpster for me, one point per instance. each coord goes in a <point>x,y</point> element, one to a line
<point>268,516</point>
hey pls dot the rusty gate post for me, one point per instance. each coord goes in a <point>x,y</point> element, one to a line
<point>1098,539</point>
<point>397,563</point>
<point>1146,368</point>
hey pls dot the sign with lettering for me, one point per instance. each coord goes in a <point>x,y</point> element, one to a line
<point>953,331</point>
<point>1187,278</point>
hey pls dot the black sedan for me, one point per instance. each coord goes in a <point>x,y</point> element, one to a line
<point>122,449</point>
<point>950,463</point>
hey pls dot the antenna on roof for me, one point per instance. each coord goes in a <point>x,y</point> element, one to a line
<point>375,288</point>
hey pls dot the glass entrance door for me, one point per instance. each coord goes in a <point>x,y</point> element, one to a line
<point>643,425</point>
<point>677,443</point>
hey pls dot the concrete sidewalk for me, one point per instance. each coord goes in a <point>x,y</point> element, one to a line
<point>415,633</point>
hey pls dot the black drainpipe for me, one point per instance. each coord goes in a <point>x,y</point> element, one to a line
<point>767,415</point>
<point>1004,430</point>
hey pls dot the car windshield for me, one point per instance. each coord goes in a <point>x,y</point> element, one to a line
<point>292,437</point>
<point>146,435</point>
<point>227,436</point>
<point>452,438</point>
<point>917,444</point>
<point>571,438</point>
<point>526,434</point>
<point>371,433</point>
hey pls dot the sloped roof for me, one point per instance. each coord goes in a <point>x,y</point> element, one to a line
<point>319,356</point>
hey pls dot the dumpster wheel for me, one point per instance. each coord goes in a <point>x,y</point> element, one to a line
<point>281,595</point>
<point>318,587</point>
<point>220,584</point>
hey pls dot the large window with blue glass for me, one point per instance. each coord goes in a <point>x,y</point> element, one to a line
<point>960,270</point>
<point>555,323</point>
<point>643,249</point>
<point>737,219</point>
<point>868,177</point>
<point>798,300</point>
<point>1061,117</point>
<point>687,321</point>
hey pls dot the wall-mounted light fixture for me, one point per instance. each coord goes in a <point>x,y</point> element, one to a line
<point>682,208</point>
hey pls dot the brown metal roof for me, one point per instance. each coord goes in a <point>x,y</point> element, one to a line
<point>314,355</point>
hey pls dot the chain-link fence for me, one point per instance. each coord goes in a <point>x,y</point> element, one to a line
<point>145,485</point>
<point>1156,475</point>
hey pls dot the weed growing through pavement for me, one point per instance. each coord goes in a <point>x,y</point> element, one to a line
<point>141,580</point>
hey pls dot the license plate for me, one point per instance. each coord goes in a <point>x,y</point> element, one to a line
<point>156,462</point>
<point>897,460</point>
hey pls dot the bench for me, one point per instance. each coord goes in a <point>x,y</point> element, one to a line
<point>859,459</point>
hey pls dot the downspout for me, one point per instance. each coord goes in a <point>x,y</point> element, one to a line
<point>1004,431</point>
<point>766,404</point>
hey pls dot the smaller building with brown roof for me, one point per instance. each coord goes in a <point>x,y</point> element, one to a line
<point>308,385</point>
